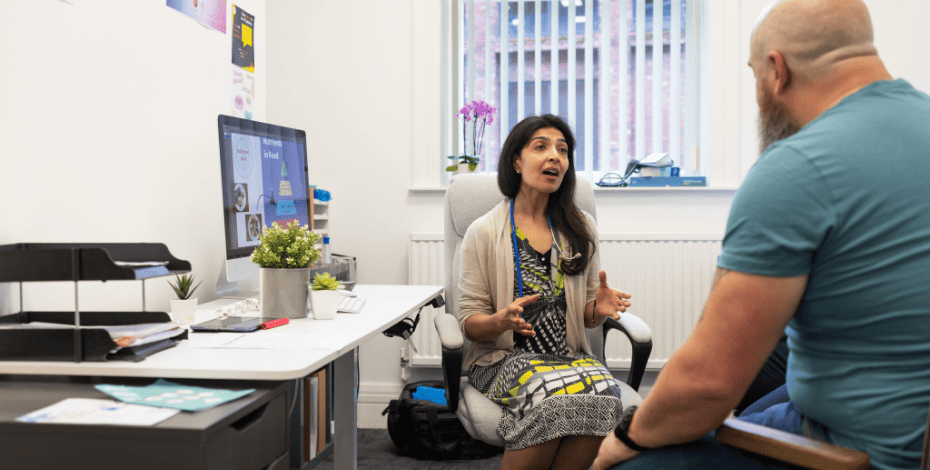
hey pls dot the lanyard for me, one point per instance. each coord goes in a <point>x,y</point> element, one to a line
<point>516,257</point>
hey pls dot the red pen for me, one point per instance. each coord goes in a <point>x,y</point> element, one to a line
<point>273,323</point>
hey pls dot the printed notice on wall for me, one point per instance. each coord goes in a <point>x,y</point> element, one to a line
<point>243,93</point>
<point>243,41</point>
<point>211,13</point>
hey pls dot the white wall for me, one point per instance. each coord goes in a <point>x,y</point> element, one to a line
<point>108,123</point>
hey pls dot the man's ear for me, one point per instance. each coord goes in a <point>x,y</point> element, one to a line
<point>781,76</point>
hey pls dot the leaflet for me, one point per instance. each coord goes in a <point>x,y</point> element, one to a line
<point>97,411</point>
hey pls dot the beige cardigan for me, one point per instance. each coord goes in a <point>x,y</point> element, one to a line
<point>486,285</point>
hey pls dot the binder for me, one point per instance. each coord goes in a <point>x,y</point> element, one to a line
<point>312,417</point>
<point>322,417</point>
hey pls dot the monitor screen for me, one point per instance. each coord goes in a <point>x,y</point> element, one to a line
<point>264,178</point>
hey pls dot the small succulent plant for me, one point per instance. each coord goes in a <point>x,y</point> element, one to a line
<point>182,286</point>
<point>324,282</point>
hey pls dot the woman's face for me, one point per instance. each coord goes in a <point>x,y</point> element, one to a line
<point>543,161</point>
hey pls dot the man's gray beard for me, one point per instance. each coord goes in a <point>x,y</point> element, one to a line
<point>774,124</point>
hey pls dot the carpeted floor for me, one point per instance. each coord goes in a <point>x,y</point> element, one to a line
<point>376,451</point>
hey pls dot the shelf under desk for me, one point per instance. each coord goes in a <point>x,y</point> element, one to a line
<point>220,437</point>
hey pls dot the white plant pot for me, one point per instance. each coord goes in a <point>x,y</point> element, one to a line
<point>324,303</point>
<point>284,292</point>
<point>183,311</point>
<point>463,169</point>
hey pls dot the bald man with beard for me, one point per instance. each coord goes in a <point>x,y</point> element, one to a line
<point>827,242</point>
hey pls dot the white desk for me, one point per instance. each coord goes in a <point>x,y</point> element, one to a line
<point>385,306</point>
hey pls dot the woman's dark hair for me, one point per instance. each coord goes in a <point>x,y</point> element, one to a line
<point>565,216</point>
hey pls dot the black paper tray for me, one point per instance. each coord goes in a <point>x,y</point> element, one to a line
<point>25,262</point>
<point>67,344</point>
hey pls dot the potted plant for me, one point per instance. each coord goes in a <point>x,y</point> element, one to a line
<point>479,114</point>
<point>284,256</point>
<point>184,307</point>
<point>324,298</point>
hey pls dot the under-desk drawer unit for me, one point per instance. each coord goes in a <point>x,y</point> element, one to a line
<point>248,434</point>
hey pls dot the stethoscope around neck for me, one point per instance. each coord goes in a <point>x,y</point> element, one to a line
<point>516,256</point>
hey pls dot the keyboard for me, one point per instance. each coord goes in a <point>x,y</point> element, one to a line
<point>350,304</point>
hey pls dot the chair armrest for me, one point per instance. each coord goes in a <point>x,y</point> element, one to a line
<point>452,341</point>
<point>640,337</point>
<point>790,448</point>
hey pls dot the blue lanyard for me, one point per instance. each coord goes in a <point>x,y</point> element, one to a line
<point>516,257</point>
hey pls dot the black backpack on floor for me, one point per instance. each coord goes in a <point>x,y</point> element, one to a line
<point>424,429</point>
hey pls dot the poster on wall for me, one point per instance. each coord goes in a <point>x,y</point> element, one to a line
<point>211,13</point>
<point>243,47</point>
<point>243,93</point>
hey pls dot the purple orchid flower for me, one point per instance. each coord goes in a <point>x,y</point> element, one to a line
<point>479,113</point>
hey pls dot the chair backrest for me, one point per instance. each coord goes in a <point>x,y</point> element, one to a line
<point>472,195</point>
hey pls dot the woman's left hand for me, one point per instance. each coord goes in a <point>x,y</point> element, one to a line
<point>609,302</point>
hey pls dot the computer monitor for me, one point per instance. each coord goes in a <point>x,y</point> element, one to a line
<point>264,180</point>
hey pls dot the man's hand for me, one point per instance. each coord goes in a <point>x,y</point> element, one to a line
<point>512,319</point>
<point>609,301</point>
<point>612,452</point>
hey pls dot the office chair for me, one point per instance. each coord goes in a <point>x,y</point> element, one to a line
<point>470,196</point>
<point>799,450</point>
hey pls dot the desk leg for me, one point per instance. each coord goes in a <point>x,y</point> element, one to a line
<point>345,412</point>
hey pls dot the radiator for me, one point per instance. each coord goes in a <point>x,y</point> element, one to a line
<point>669,276</point>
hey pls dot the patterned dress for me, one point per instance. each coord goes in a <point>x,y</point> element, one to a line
<point>547,393</point>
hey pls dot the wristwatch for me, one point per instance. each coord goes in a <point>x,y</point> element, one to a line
<point>620,431</point>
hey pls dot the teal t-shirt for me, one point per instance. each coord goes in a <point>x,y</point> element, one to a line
<point>847,201</point>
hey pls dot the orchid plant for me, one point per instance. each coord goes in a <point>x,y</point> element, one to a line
<point>479,114</point>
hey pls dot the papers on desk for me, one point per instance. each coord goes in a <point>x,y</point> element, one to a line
<point>253,341</point>
<point>167,394</point>
<point>96,411</point>
<point>137,335</point>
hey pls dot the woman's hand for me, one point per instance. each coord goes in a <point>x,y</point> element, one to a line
<point>511,318</point>
<point>608,302</point>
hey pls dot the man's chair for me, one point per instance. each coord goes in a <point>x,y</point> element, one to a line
<point>470,196</point>
<point>799,450</point>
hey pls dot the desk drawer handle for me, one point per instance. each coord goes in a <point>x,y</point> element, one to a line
<point>244,422</point>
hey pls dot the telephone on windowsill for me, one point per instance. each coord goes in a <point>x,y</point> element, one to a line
<point>655,160</point>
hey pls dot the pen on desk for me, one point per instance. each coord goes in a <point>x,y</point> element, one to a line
<point>273,323</point>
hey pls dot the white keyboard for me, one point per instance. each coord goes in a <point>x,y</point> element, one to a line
<point>350,304</point>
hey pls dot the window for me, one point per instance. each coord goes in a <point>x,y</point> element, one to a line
<point>595,63</point>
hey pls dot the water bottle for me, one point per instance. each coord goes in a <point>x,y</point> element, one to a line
<point>327,253</point>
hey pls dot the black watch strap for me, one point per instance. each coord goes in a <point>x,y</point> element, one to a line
<point>621,430</point>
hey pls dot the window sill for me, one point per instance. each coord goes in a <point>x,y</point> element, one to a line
<point>665,189</point>
<point>600,190</point>
<point>427,190</point>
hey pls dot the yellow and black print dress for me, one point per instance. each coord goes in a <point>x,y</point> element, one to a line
<point>547,393</point>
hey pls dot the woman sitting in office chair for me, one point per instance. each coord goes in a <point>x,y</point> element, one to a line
<point>530,286</point>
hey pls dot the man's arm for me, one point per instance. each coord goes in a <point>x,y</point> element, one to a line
<point>744,318</point>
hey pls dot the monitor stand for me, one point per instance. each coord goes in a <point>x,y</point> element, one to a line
<point>242,289</point>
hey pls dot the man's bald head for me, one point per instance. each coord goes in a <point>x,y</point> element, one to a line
<point>814,35</point>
